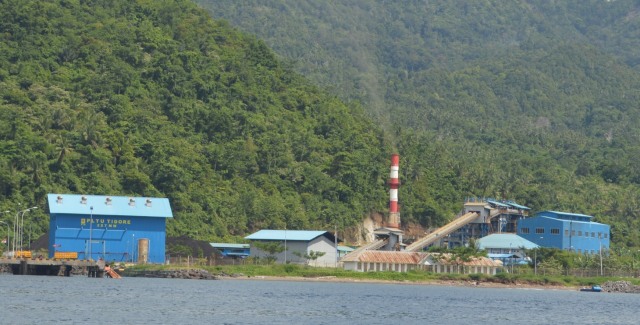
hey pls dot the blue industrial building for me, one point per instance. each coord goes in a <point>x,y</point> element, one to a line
<point>112,228</point>
<point>566,231</point>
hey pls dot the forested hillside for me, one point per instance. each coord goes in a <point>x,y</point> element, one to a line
<point>533,101</point>
<point>536,101</point>
<point>154,98</point>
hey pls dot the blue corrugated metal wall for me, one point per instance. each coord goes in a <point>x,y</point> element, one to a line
<point>112,238</point>
<point>579,236</point>
<point>120,224</point>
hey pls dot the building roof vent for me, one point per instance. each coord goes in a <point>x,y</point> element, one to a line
<point>59,200</point>
<point>83,200</point>
<point>132,202</point>
<point>107,201</point>
<point>148,203</point>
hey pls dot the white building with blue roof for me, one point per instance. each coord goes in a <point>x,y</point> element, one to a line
<point>112,228</point>
<point>508,248</point>
<point>297,244</point>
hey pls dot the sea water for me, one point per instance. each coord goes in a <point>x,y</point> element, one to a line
<point>82,300</point>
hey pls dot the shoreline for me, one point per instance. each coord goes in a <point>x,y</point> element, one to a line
<point>470,284</point>
<point>610,285</point>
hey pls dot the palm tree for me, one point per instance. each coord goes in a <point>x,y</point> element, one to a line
<point>63,147</point>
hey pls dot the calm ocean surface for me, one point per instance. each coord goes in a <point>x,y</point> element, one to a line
<point>81,300</point>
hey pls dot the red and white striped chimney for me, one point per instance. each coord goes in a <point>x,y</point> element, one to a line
<point>394,183</point>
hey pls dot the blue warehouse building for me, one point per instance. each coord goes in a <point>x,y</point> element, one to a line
<point>112,228</point>
<point>567,231</point>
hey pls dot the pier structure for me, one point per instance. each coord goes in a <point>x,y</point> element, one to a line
<point>43,266</point>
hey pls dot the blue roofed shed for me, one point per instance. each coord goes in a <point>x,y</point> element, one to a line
<point>504,242</point>
<point>297,244</point>
<point>517,206</point>
<point>509,248</point>
<point>232,250</point>
<point>498,204</point>
<point>114,228</point>
<point>344,250</point>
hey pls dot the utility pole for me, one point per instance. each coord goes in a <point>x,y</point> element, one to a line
<point>601,270</point>
<point>535,262</point>
<point>8,233</point>
<point>335,241</point>
<point>90,230</point>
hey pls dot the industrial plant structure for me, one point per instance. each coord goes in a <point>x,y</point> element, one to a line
<point>479,218</point>
<point>111,228</point>
<point>389,237</point>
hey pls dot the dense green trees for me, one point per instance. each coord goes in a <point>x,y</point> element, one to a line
<point>531,101</point>
<point>154,98</point>
<point>535,101</point>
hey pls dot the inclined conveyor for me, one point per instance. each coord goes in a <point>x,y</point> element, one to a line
<point>441,232</point>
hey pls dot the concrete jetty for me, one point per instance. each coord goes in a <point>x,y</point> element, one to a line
<point>44,266</point>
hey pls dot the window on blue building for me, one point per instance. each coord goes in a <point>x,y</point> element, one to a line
<point>555,231</point>
<point>579,232</point>
<point>539,230</point>
<point>524,230</point>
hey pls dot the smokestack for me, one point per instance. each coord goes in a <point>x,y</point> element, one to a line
<point>394,183</point>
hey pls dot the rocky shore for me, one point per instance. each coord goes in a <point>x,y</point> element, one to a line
<point>194,274</point>
<point>620,286</point>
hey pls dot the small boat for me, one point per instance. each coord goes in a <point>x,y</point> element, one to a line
<point>594,288</point>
